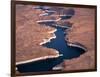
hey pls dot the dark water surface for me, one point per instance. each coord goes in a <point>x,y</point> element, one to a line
<point>60,45</point>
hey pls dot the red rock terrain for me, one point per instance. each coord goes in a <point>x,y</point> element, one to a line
<point>83,32</point>
<point>29,34</point>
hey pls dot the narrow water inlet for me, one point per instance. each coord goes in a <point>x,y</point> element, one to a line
<point>60,44</point>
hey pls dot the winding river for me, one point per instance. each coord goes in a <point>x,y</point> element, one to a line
<point>60,44</point>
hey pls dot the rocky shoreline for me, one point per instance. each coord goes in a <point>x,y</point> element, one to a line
<point>82,32</point>
<point>76,45</point>
<point>43,57</point>
<point>50,38</point>
<point>39,58</point>
<point>30,49</point>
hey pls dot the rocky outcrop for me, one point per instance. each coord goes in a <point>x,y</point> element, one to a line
<point>29,35</point>
<point>83,32</point>
<point>82,35</point>
<point>39,58</point>
<point>50,38</point>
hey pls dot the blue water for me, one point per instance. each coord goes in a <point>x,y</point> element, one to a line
<point>60,45</point>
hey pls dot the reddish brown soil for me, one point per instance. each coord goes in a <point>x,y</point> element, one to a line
<point>83,32</point>
<point>29,34</point>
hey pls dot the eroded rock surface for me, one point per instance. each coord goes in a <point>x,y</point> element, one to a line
<point>83,32</point>
<point>30,34</point>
